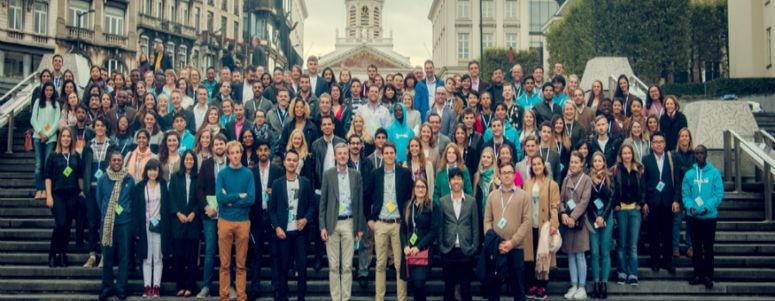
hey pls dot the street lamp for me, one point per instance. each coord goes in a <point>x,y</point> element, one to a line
<point>78,27</point>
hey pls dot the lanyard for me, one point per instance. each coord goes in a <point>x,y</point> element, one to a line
<point>504,207</point>
<point>577,184</point>
<point>638,147</point>
<point>698,173</point>
<point>569,129</point>
<point>486,119</point>
<point>541,152</point>
<point>67,158</point>
<point>414,224</point>
<point>599,187</point>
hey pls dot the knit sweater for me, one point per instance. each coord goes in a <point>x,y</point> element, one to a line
<point>45,120</point>
<point>229,183</point>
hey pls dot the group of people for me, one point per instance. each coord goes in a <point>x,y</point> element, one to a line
<point>494,177</point>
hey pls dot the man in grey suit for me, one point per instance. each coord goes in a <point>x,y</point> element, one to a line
<point>278,116</point>
<point>434,120</point>
<point>458,237</point>
<point>341,220</point>
<point>448,116</point>
<point>258,103</point>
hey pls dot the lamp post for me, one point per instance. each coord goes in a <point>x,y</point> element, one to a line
<point>78,27</point>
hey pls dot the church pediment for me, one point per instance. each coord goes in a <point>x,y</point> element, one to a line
<point>361,58</point>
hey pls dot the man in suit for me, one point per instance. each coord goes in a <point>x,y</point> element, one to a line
<point>424,92</point>
<point>477,83</point>
<point>317,84</point>
<point>260,225</point>
<point>290,208</point>
<point>205,189</point>
<point>234,127</point>
<point>434,120</point>
<point>341,220</point>
<point>662,197</point>
<point>448,116</point>
<point>161,62</point>
<point>325,159</point>
<point>546,109</point>
<point>258,102</point>
<point>389,189</point>
<point>459,237</point>
<point>278,116</point>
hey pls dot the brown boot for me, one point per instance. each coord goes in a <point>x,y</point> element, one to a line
<point>90,262</point>
<point>689,252</point>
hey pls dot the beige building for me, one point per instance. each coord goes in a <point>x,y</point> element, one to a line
<point>506,24</point>
<point>751,45</point>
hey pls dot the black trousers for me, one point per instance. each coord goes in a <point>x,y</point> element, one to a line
<point>660,227</point>
<point>119,252</point>
<point>295,243</point>
<point>516,281</point>
<point>418,275</point>
<point>185,252</point>
<point>314,235</point>
<point>530,267</point>
<point>92,221</point>
<point>64,211</point>
<point>261,233</point>
<point>457,270</point>
<point>703,237</point>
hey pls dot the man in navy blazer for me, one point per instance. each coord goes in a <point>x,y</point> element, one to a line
<point>290,208</point>
<point>317,83</point>
<point>424,88</point>
<point>662,201</point>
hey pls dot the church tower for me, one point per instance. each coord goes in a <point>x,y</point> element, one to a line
<point>364,20</point>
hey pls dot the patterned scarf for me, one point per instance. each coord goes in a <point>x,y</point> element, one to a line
<point>110,215</point>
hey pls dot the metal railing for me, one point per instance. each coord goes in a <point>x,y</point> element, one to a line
<point>13,102</point>
<point>637,87</point>
<point>734,143</point>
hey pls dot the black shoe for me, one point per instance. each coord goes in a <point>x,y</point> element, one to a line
<point>318,265</point>
<point>669,268</point>
<point>253,296</point>
<point>632,282</point>
<point>363,282</point>
<point>708,283</point>
<point>621,280</point>
<point>594,292</point>
<point>603,293</point>
<point>121,296</point>
<point>696,281</point>
<point>52,261</point>
<point>63,259</point>
<point>105,294</point>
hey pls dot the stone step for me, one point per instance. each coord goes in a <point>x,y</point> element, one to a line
<point>19,175</point>
<point>21,202</point>
<point>80,297</point>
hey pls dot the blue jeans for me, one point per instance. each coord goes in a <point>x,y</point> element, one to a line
<point>210,227</point>
<point>600,250</point>
<point>577,265</point>
<point>42,150</point>
<point>629,230</point>
<point>677,232</point>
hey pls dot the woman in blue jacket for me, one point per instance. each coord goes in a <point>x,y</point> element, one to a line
<point>703,191</point>
<point>399,132</point>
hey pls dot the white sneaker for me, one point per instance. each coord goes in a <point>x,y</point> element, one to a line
<point>204,293</point>
<point>581,294</point>
<point>232,293</point>
<point>571,292</point>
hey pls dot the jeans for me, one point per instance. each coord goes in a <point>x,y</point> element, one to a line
<point>492,286</point>
<point>629,231</point>
<point>457,269</point>
<point>42,150</point>
<point>577,265</point>
<point>210,227</point>
<point>677,231</point>
<point>600,250</point>
<point>93,221</point>
<point>295,243</point>
<point>64,210</point>
<point>704,237</point>
<point>153,265</point>
<point>120,247</point>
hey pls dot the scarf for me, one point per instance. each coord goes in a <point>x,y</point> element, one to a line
<point>543,254</point>
<point>136,163</point>
<point>485,182</point>
<point>110,215</point>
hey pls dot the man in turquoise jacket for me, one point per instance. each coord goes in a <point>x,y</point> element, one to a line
<point>703,191</point>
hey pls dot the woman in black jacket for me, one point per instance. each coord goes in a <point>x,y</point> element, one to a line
<point>185,223</point>
<point>151,225</point>
<point>684,159</point>
<point>671,122</point>
<point>418,233</point>
<point>64,185</point>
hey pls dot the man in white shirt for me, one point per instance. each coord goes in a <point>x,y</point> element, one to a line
<point>374,114</point>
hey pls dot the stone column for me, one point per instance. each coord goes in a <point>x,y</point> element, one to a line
<point>2,63</point>
<point>27,65</point>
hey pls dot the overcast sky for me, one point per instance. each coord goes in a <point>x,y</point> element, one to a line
<point>408,19</point>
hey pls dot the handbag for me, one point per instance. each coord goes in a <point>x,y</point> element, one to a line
<point>28,147</point>
<point>418,260</point>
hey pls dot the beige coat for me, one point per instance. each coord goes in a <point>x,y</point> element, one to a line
<point>517,215</point>
<point>545,197</point>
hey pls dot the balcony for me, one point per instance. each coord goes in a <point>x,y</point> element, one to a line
<point>116,40</point>
<point>85,33</point>
<point>148,21</point>
<point>189,31</point>
<point>16,35</point>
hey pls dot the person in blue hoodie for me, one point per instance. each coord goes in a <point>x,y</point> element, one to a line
<point>703,191</point>
<point>186,138</point>
<point>399,132</point>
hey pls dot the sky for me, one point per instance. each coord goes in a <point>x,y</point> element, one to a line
<point>411,28</point>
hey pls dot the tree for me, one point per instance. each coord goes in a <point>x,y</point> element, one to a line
<point>709,39</point>
<point>499,58</point>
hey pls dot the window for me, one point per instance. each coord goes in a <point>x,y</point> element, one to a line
<point>463,47</point>
<point>463,10</point>
<point>351,18</point>
<point>488,41</point>
<point>182,56</point>
<point>236,7</point>
<point>78,7</point>
<point>211,2</point>
<point>197,16</point>
<point>511,40</point>
<point>184,14</point>
<point>510,9</point>
<point>209,60</point>
<point>376,16</point>
<point>224,25</point>
<point>210,21</point>
<point>365,16</point>
<point>114,65</point>
<point>40,17</point>
<point>114,21</point>
<point>540,12</point>
<point>236,30</point>
<point>15,15</point>
<point>173,15</point>
<point>159,8</point>
<point>195,58</point>
<point>170,51</point>
<point>146,9</point>
<point>769,47</point>
<point>145,45</point>
<point>225,5</point>
<point>488,8</point>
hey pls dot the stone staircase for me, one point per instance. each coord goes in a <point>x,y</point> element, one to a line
<point>745,253</point>
<point>766,121</point>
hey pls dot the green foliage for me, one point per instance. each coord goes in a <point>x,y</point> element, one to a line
<point>655,35</point>
<point>499,58</point>
<point>720,87</point>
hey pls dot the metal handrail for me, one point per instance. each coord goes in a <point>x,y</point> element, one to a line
<point>733,142</point>
<point>18,86</point>
<point>636,86</point>
<point>13,105</point>
<point>763,136</point>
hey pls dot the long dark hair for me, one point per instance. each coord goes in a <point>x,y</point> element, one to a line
<point>164,152</point>
<point>42,96</point>
<point>426,202</point>
<point>333,75</point>
<point>619,93</point>
<point>64,84</point>
<point>649,101</point>
<point>182,169</point>
<point>152,164</point>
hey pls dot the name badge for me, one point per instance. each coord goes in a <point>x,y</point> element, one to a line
<point>119,209</point>
<point>598,204</point>
<point>391,207</point>
<point>68,170</point>
<point>154,221</point>
<point>413,239</point>
<point>502,223</point>
<point>357,244</point>
<point>265,197</point>
<point>291,216</point>
<point>98,174</point>
<point>660,186</point>
<point>571,204</point>
<point>699,201</point>
<point>341,208</point>
<point>562,167</point>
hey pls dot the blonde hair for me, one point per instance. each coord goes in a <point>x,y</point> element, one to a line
<point>233,144</point>
<point>303,150</point>
<point>443,161</point>
<point>365,137</point>
<point>494,166</point>
<point>71,147</point>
